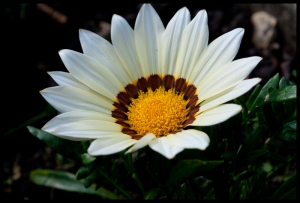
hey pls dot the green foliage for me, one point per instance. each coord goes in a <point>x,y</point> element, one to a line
<point>67,148</point>
<point>287,190</point>
<point>66,181</point>
<point>246,153</point>
<point>187,168</point>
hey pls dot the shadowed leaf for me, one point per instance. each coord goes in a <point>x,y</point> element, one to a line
<point>67,148</point>
<point>66,181</point>
<point>187,168</point>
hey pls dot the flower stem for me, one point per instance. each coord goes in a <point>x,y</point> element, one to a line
<point>122,190</point>
<point>127,160</point>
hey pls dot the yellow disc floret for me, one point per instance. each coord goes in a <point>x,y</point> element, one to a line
<point>159,112</point>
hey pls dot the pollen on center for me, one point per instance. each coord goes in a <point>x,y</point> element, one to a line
<point>160,112</point>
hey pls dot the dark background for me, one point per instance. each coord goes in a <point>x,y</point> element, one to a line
<point>33,35</point>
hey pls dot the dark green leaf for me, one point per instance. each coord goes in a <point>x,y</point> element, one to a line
<point>179,193</point>
<point>160,168</point>
<point>91,179</point>
<point>287,190</point>
<point>152,173</point>
<point>203,186</point>
<point>276,157</point>
<point>280,144</point>
<point>87,159</point>
<point>84,171</point>
<point>261,116</point>
<point>260,189</point>
<point>283,83</point>
<point>192,154</point>
<point>270,116</point>
<point>67,148</point>
<point>66,181</point>
<point>260,99</point>
<point>210,194</point>
<point>291,109</point>
<point>189,191</point>
<point>113,182</point>
<point>187,168</point>
<point>294,73</point>
<point>266,191</point>
<point>153,193</point>
<point>251,141</point>
<point>228,156</point>
<point>183,189</point>
<point>253,96</point>
<point>288,135</point>
<point>292,125</point>
<point>211,151</point>
<point>233,134</point>
<point>243,195</point>
<point>253,156</point>
<point>289,132</point>
<point>244,175</point>
<point>279,111</point>
<point>281,95</point>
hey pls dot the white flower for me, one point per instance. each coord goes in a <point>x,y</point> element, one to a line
<point>149,85</point>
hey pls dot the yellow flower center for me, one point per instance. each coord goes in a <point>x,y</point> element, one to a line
<point>160,112</point>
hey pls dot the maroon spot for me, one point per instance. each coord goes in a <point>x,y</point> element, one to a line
<point>136,137</point>
<point>121,107</point>
<point>169,82</point>
<point>188,121</point>
<point>118,114</point>
<point>132,91</point>
<point>122,123</point>
<point>142,84</point>
<point>124,98</point>
<point>180,85</point>
<point>189,92</point>
<point>192,101</point>
<point>154,82</point>
<point>194,111</point>
<point>128,131</point>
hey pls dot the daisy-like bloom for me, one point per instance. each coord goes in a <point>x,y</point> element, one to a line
<point>148,85</point>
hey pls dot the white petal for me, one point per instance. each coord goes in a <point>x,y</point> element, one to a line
<point>75,116</point>
<point>98,48</point>
<point>122,37</point>
<point>67,98</point>
<point>163,146</point>
<point>193,42</point>
<point>66,79</point>
<point>170,40</point>
<point>221,51</point>
<point>92,73</point>
<point>87,129</point>
<point>190,139</point>
<point>141,142</point>
<point>228,76</point>
<point>229,94</point>
<point>216,115</point>
<point>148,31</point>
<point>110,145</point>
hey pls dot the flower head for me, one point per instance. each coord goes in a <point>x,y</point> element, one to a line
<point>149,85</point>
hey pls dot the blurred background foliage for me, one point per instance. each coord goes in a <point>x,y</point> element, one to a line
<point>34,33</point>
